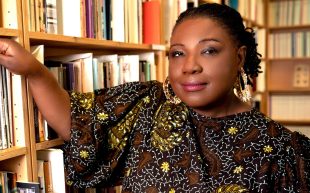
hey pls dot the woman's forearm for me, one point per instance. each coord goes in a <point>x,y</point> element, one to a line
<point>52,101</point>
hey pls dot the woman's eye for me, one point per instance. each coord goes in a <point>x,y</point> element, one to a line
<point>209,51</point>
<point>176,53</point>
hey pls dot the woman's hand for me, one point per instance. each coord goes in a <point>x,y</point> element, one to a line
<point>17,59</point>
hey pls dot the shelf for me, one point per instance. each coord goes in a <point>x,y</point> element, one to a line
<point>53,40</point>
<point>301,91</point>
<point>49,144</point>
<point>289,59</point>
<point>5,32</point>
<point>295,122</point>
<point>12,152</point>
<point>293,28</point>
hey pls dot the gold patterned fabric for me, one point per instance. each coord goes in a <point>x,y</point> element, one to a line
<point>130,134</point>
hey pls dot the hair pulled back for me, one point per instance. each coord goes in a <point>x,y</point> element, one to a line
<point>232,21</point>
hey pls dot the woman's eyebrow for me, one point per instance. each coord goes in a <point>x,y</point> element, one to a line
<point>201,41</point>
<point>209,40</point>
<point>177,44</point>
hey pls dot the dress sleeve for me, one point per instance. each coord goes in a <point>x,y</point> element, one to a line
<point>101,127</point>
<point>294,175</point>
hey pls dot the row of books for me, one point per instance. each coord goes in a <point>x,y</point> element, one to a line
<point>249,9</point>
<point>6,110</point>
<point>9,184</point>
<point>172,9</point>
<point>290,107</point>
<point>288,13</point>
<point>133,21</point>
<point>86,72</point>
<point>289,44</point>
<point>8,181</point>
<point>260,37</point>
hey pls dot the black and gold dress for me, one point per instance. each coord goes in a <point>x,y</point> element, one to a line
<point>133,135</point>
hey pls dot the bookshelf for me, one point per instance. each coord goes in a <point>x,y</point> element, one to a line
<point>288,63</point>
<point>16,156</point>
<point>65,43</point>
<point>21,158</point>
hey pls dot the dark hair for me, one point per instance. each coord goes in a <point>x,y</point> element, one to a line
<point>232,21</point>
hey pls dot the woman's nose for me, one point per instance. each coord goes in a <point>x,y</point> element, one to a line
<point>191,65</point>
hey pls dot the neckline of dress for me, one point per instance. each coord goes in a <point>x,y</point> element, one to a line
<point>201,117</point>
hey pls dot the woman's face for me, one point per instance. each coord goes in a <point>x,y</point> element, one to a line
<point>204,64</point>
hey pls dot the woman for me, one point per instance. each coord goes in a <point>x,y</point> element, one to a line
<point>193,134</point>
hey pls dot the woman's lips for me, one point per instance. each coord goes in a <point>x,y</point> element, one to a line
<point>193,87</point>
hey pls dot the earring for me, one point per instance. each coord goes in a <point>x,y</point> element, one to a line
<point>242,90</point>
<point>167,90</point>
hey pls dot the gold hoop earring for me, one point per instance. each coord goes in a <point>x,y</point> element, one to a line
<point>242,90</point>
<point>168,90</point>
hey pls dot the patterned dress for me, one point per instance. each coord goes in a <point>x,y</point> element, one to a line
<point>130,134</point>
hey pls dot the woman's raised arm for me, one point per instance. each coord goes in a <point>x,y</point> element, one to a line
<point>52,100</point>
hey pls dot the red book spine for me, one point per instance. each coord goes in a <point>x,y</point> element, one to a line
<point>151,22</point>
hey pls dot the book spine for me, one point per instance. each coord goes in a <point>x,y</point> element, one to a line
<point>151,22</point>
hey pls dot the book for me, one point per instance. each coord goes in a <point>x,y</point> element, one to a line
<point>151,22</point>
<point>12,179</point>
<point>18,111</point>
<point>83,66</point>
<point>131,15</point>
<point>8,182</point>
<point>41,179</point>
<point>56,160</point>
<point>31,15</point>
<point>28,187</point>
<point>110,69</point>
<point>48,183</point>
<point>150,66</point>
<point>98,72</point>
<point>51,16</point>
<point>6,112</point>
<point>69,18</point>
<point>290,107</point>
<point>89,18</point>
<point>129,68</point>
<point>107,19</point>
<point>9,14</point>
<point>118,20</point>
<point>169,18</point>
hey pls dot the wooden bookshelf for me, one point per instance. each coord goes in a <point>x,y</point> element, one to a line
<point>282,72</point>
<point>59,45</point>
<point>16,158</point>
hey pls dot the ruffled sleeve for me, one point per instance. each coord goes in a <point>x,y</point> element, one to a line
<point>294,169</point>
<point>102,124</point>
